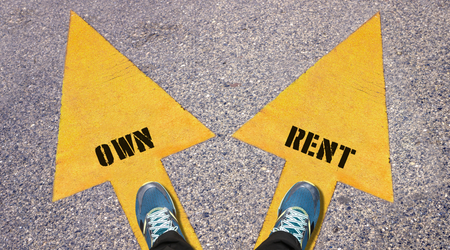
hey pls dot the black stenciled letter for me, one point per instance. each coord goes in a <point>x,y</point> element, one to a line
<point>300,136</point>
<point>125,147</point>
<point>313,144</point>
<point>291,136</point>
<point>142,138</point>
<point>327,149</point>
<point>308,141</point>
<point>102,153</point>
<point>345,155</point>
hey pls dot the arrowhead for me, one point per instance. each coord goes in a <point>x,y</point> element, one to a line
<point>115,122</point>
<point>331,123</point>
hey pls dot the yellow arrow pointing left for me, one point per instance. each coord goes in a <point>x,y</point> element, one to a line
<point>116,124</point>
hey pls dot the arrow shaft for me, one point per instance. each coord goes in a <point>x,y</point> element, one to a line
<point>126,187</point>
<point>292,174</point>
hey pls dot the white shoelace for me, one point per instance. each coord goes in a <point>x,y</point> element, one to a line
<point>297,229</point>
<point>160,222</point>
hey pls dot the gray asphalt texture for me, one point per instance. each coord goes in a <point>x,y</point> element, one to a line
<point>223,61</point>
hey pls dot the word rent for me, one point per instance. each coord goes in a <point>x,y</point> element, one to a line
<point>326,149</point>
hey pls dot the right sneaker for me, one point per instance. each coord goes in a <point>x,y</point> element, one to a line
<point>299,211</point>
<point>155,212</point>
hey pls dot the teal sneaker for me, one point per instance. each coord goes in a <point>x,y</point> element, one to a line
<point>155,212</point>
<point>299,211</point>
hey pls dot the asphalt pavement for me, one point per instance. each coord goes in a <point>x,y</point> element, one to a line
<point>223,61</point>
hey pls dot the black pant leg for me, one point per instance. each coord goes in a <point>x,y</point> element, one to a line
<point>171,240</point>
<point>280,241</point>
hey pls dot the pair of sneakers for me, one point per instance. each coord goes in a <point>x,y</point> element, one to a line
<point>297,214</point>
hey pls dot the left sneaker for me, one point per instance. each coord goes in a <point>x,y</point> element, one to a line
<point>155,212</point>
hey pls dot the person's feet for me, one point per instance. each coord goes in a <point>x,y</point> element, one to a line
<point>299,211</point>
<point>155,212</point>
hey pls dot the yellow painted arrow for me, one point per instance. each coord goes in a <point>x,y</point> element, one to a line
<point>330,125</point>
<point>116,124</point>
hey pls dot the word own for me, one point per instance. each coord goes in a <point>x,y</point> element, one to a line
<point>124,146</point>
<point>327,148</point>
